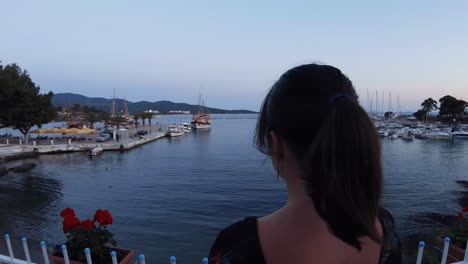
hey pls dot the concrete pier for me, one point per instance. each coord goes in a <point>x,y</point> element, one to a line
<point>125,144</point>
<point>113,145</point>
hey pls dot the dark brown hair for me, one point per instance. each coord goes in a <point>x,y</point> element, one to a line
<point>315,110</point>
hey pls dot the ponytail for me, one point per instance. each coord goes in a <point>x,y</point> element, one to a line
<point>344,172</point>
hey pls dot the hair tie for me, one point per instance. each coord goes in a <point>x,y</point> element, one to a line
<point>337,96</point>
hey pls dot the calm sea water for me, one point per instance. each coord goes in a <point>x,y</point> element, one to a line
<point>172,196</point>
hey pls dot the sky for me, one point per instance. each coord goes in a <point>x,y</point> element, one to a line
<point>233,51</point>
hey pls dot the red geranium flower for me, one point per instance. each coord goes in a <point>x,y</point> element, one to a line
<point>103,217</point>
<point>70,222</point>
<point>67,212</point>
<point>460,214</point>
<point>465,209</point>
<point>87,224</point>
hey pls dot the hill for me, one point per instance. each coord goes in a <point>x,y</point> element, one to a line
<point>66,99</point>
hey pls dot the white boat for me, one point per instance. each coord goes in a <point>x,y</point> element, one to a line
<point>383,133</point>
<point>201,120</point>
<point>174,131</point>
<point>437,134</point>
<point>408,136</point>
<point>460,134</point>
<point>186,127</point>
<point>95,151</point>
<point>197,124</point>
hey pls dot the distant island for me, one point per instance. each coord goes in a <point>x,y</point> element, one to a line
<point>164,107</point>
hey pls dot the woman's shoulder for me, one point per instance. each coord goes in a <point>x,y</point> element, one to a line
<point>237,243</point>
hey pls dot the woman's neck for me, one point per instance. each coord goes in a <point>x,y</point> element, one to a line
<point>298,200</point>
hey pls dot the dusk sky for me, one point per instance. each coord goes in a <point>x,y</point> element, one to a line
<point>235,50</point>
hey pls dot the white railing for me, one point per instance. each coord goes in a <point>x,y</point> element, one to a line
<point>10,259</point>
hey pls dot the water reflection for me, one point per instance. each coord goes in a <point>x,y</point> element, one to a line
<point>27,201</point>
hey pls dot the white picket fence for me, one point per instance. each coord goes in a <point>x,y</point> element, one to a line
<point>10,259</point>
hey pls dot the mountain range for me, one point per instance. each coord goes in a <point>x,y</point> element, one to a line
<point>103,104</point>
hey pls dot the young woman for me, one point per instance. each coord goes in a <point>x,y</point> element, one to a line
<point>325,147</point>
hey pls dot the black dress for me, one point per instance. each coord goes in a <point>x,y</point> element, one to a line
<point>239,243</point>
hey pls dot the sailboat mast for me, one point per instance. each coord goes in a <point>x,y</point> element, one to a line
<point>398,105</point>
<point>113,110</point>
<point>125,108</point>
<point>383,102</point>
<point>199,103</point>
<point>390,106</point>
<point>367,99</point>
<point>376,102</point>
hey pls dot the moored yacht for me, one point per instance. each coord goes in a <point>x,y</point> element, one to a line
<point>186,127</point>
<point>437,134</point>
<point>408,136</point>
<point>174,131</point>
<point>201,120</point>
<point>460,134</point>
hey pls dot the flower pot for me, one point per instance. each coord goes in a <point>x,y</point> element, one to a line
<point>455,253</point>
<point>129,254</point>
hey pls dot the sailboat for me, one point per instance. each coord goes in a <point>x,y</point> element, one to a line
<point>201,120</point>
<point>127,119</point>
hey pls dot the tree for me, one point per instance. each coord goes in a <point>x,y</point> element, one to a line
<point>420,114</point>
<point>450,106</point>
<point>143,118</point>
<point>428,105</point>
<point>147,115</point>
<point>9,77</point>
<point>26,107</point>
<point>105,117</point>
<point>92,117</point>
<point>136,117</point>
<point>118,120</point>
<point>389,115</point>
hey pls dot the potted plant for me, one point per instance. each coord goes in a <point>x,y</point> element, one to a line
<point>458,235</point>
<point>92,234</point>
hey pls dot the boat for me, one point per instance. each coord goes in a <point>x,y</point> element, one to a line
<point>420,136</point>
<point>174,131</point>
<point>201,120</point>
<point>120,120</point>
<point>408,136</point>
<point>383,133</point>
<point>459,134</point>
<point>95,151</point>
<point>438,135</point>
<point>393,135</point>
<point>186,127</point>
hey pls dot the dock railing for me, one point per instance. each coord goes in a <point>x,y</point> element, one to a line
<point>10,258</point>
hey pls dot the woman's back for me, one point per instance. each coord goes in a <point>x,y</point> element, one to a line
<point>261,240</point>
<point>324,146</point>
<point>299,239</point>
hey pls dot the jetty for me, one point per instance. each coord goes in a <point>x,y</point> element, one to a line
<point>17,148</point>
<point>112,145</point>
